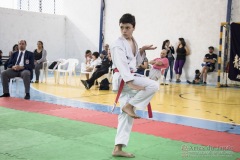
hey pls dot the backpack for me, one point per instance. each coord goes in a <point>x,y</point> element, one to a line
<point>53,65</point>
<point>104,84</point>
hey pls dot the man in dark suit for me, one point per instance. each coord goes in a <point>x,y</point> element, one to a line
<point>21,65</point>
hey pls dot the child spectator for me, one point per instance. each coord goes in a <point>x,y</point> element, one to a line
<point>197,78</point>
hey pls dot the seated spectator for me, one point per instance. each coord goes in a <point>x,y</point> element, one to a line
<point>141,68</point>
<point>105,51</point>
<point>40,55</point>
<point>158,65</point>
<point>1,57</point>
<point>88,57</point>
<point>94,62</point>
<point>15,49</point>
<point>101,70</point>
<point>210,59</point>
<point>20,64</point>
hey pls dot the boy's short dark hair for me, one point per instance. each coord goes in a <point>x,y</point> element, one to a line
<point>197,71</point>
<point>211,47</point>
<point>96,54</point>
<point>128,18</point>
<point>87,51</point>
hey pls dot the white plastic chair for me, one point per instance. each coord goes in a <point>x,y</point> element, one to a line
<point>17,80</point>
<point>54,69</point>
<point>162,78</point>
<point>83,70</point>
<point>44,71</point>
<point>67,71</point>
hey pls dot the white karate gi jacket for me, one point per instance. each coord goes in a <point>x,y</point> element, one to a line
<point>123,59</point>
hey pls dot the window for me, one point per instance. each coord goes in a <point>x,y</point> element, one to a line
<point>44,6</point>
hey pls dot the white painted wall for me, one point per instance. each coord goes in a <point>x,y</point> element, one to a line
<point>82,27</point>
<point>31,26</point>
<point>235,11</point>
<point>198,21</point>
<point>8,4</point>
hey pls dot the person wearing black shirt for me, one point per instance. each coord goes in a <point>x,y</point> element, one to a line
<point>170,51</point>
<point>105,51</point>
<point>101,70</point>
<point>182,52</point>
<point>210,59</point>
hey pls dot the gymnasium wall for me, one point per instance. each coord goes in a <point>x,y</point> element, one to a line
<point>197,21</point>
<point>31,26</point>
<point>235,11</point>
<point>82,27</point>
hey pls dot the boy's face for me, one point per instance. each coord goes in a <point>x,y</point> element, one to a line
<point>126,30</point>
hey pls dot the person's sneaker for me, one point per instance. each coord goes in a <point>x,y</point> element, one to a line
<point>85,84</point>
<point>27,96</point>
<point>178,80</point>
<point>170,80</point>
<point>204,84</point>
<point>5,95</point>
<point>37,81</point>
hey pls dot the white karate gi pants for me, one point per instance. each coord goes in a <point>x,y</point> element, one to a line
<point>139,99</point>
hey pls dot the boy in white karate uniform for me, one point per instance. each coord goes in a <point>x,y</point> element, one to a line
<point>137,91</point>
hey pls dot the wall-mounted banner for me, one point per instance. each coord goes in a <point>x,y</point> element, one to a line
<point>234,67</point>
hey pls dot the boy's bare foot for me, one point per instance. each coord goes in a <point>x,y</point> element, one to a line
<point>129,110</point>
<point>122,154</point>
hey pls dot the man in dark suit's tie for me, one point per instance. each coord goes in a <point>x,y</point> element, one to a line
<point>19,58</point>
<point>21,65</point>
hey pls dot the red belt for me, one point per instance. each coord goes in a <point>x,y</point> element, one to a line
<point>120,91</point>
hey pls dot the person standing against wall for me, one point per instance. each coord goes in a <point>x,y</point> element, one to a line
<point>182,52</point>
<point>40,56</point>
<point>170,51</point>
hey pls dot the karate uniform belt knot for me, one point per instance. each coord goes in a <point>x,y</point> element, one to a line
<point>118,95</point>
